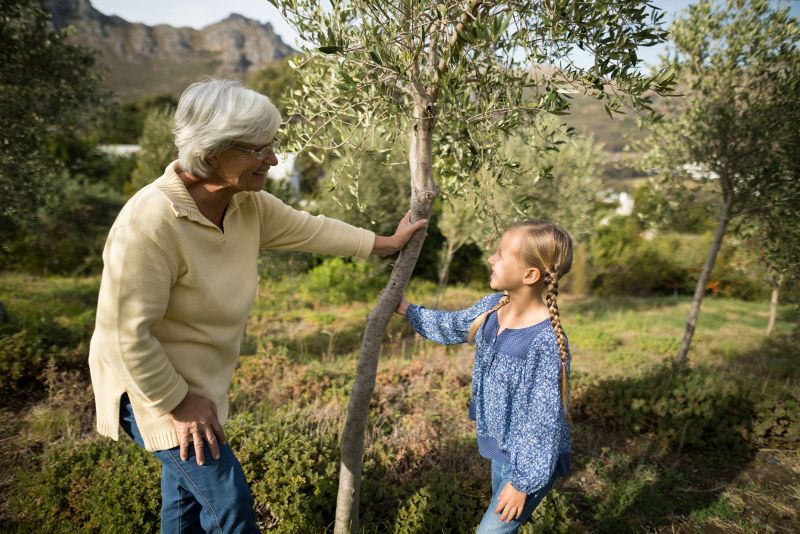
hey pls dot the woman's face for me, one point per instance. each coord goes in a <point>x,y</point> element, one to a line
<point>241,168</point>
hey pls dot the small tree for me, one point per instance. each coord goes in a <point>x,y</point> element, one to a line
<point>156,149</point>
<point>447,77</point>
<point>736,129</point>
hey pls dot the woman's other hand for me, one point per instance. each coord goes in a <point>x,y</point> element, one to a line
<point>405,230</point>
<point>510,503</point>
<point>195,419</point>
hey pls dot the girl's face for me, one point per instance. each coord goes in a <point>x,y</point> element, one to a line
<point>241,168</point>
<point>508,271</point>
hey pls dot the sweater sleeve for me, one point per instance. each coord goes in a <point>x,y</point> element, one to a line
<point>536,439</point>
<point>447,327</point>
<point>134,293</point>
<point>285,228</point>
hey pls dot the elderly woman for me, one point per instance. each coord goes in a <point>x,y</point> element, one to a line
<point>179,278</point>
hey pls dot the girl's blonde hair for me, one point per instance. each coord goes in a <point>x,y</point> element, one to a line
<point>547,247</point>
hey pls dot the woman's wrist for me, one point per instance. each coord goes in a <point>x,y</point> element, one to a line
<point>385,245</point>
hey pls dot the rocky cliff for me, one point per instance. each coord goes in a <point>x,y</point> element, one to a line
<point>142,60</point>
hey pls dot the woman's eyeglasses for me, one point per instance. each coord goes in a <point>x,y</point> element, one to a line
<point>260,153</point>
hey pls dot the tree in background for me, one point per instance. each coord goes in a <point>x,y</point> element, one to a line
<point>47,84</point>
<point>123,122</point>
<point>457,73</point>
<point>736,130</point>
<point>156,149</point>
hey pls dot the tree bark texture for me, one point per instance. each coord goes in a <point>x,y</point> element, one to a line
<point>423,194</point>
<point>444,269</point>
<point>716,244</point>
<point>773,305</point>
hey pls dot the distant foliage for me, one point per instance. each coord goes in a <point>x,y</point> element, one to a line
<point>623,260</point>
<point>336,281</point>
<point>122,123</point>
<point>156,149</point>
<point>47,85</point>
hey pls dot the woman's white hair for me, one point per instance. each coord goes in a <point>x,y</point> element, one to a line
<point>212,114</point>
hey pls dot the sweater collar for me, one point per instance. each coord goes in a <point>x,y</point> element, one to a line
<point>183,205</point>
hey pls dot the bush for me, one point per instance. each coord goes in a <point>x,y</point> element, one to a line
<point>98,484</point>
<point>51,324</point>
<point>336,281</point>
<point>292,474</point>
<point>698,408</point>
<point>623,261</point>
<point>67,234</point>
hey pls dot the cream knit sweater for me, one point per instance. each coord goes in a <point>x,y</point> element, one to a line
<point>175,294</point>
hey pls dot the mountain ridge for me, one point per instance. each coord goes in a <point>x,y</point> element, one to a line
<point>141,60</point>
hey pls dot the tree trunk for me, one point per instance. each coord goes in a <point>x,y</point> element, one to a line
<point>773,305</point>
<point>716,244</point>
<point>423,193</point>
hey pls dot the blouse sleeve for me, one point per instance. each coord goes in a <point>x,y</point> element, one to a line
<point>285,228</point>
<point>447,327</point>
<point>536,439</point>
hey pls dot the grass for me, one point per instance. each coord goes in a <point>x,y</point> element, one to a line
<point>299,359</point>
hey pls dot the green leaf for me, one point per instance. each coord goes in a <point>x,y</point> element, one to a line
<point>330,49</point>
<point>376,57</point>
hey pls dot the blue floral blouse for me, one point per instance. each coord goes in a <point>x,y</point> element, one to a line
<point>517,401</point>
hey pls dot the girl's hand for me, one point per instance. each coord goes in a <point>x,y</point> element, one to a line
<point>510,503</point>
<point>195,419</point>
<point>403,306</point>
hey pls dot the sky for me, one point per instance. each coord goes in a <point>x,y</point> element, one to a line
<point>200,13</point>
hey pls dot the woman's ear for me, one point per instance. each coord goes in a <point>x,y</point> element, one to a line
<point>532,275</point>
<point>213,161</point>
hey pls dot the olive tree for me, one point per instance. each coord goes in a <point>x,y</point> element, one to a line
<point>735,131</point>
<point>444,78</point>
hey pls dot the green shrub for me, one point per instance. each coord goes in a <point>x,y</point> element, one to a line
<point>98,484</point>
<point>293,475</point>
<point>336,281</point>
<point>624,262</point>
<point>440,502</point>
<point>698,408</point>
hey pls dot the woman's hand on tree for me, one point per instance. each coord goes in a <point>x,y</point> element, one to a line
<point>510,503</point>
<point>405,230</point>
<point>195,419</point>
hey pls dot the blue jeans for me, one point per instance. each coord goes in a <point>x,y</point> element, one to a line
<point>199,498</point>
<point>491,524</point>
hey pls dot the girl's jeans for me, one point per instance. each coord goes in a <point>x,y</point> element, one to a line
<point>491,524</point>
<point>199,498</point>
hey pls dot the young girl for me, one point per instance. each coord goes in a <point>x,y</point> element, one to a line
<point>520,378</point>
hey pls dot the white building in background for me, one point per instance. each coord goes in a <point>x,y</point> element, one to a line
<point>624,202</point>
<point>287,171</point>
<point>118,150</point>
<point>625,207</point>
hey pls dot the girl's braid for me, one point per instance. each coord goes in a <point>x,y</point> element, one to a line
<point>551,297</point>
<point>479,320</point>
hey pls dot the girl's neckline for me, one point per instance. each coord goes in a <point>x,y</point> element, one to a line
<point>500,331</point>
